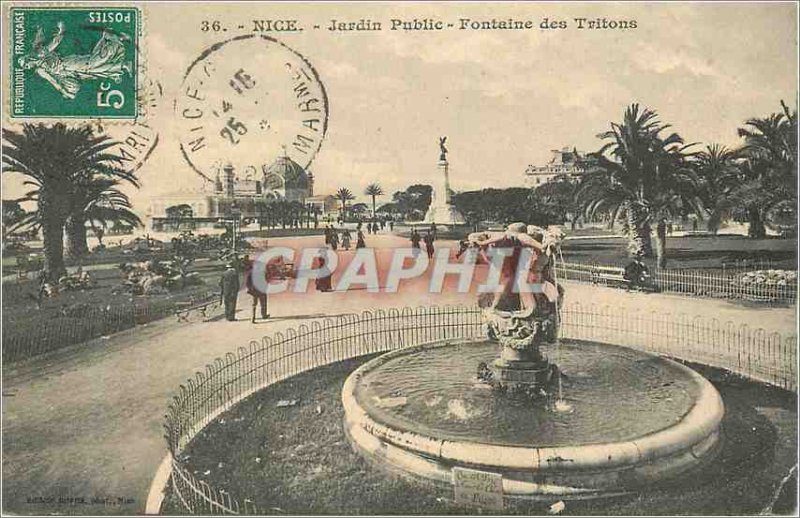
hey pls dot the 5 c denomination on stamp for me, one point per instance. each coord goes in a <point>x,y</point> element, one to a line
<point>74,62</point>
<point>248,100</point>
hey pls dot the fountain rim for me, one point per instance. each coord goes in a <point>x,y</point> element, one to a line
<point>690,433</point>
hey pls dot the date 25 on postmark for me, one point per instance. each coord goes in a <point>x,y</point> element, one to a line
<point>74,62</point>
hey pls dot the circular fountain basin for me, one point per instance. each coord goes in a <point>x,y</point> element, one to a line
<point>625,419</point>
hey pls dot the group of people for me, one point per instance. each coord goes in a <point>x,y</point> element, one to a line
<point>333,240</point>
<point>229,288</point>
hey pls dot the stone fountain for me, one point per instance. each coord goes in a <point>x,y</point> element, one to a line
<point>634,418</point>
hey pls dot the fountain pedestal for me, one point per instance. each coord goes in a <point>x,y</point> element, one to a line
<point>521,366</point>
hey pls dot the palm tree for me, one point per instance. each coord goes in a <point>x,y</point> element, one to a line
<point>718,170</point>
<point>97,201</point>
<point>53,159</point>
<point>768,176</point>
<point>108,205</point>
<point>642,175</point>
<point>344,195</point>
<point>374,190</point>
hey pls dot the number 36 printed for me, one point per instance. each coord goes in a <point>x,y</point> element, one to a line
<point>110,98</point>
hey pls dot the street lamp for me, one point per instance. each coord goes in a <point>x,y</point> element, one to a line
<point>236,218</point>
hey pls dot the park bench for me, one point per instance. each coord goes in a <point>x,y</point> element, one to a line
<point>609,275</point>
<point>199,306</point>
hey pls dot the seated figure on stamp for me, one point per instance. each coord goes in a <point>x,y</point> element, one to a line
<point>539,253</point>
<point>106,61</point>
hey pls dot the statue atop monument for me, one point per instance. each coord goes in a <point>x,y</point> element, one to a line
<point>442,149</point>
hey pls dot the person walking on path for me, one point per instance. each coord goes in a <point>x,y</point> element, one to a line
<point>391,226</point>
<point>323,283</point>
<point>334,239</point>
<point>346,237</point>
<point>415,238</point>
<point>259,298</point>
<point>327,235</point>
<point>360,240</point>
<point>428,240</point>
<point>229,291</point>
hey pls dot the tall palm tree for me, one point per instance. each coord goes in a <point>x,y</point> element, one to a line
<point>717,169</point>
<point>643,175</point>
<point>344,195</point>
<point>768,176</point>
<point>53,159</point>
<point>374,190</point>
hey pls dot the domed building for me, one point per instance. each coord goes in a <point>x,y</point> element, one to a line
<point>286,179</point>
<point>233,193</point>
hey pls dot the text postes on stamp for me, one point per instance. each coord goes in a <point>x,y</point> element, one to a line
<point>248,101</point>
<point>74,62</point>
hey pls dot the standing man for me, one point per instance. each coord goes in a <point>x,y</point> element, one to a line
<point>258,297</point>
<point>415,239</point>
<point>229,290</point>
<point>428,240</point>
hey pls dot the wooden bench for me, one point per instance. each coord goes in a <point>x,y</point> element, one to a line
<point>608,274</point>
<point>183,310</point>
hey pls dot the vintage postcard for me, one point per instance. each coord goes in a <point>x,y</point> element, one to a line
<point>393,258</point>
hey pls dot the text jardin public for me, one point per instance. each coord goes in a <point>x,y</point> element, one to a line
<point>430,24</point>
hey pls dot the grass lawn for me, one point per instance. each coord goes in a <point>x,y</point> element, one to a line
<point>690,252</point>
<point>72,317</point>
<point>297,460</point>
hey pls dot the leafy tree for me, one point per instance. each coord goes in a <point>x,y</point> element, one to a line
<point>558,195</point>
<point>374,190</point>
<point>56,160</point>
<point>503,206</point>
<point>643,175</point>
<point>13,215</point>
<point>413,203</point>
<point>718,170</point>
<point>359,208</point>
<point>344,195</point>
<point>768,178</point>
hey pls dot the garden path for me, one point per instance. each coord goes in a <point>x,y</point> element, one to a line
<point>86,422</point>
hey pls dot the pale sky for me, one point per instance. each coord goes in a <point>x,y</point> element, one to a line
<point>504,98</point>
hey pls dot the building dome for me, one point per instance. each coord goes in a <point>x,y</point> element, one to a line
<point>291,174</point>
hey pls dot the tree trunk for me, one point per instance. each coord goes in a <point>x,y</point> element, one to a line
<point>76,237</point>
<point>53,237</point>
<point>661,244</point>
<point>638,230</point>
<point>714,222</point>
<point>756,228</point>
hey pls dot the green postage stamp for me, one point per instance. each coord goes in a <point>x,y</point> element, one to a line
<point>74,62</point>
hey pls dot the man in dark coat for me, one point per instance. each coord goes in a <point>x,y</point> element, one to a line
<point>229,291</point>
<point>259,298</point>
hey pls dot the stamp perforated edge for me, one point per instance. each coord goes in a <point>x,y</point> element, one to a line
<point>7,81</point>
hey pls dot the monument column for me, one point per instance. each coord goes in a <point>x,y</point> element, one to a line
<point>441,210</point>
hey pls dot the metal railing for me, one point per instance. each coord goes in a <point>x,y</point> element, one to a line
<point>722,285</point>
<point>756,354</point>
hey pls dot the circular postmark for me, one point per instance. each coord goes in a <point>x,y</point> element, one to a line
<point>136,141</point>
<point>247,101</point>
